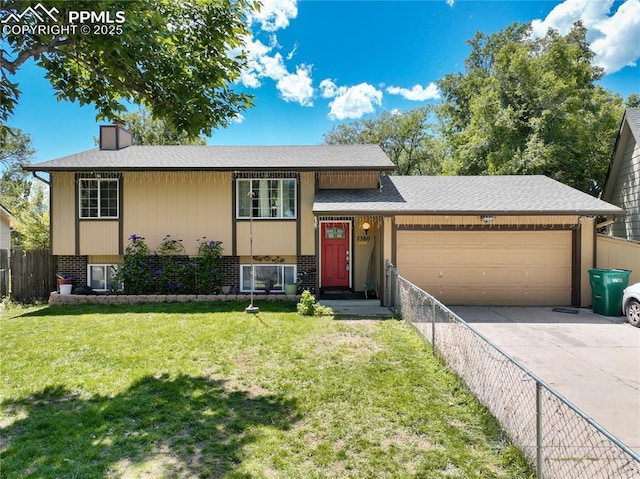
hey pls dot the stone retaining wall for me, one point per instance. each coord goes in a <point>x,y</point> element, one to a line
<point>57,298</point>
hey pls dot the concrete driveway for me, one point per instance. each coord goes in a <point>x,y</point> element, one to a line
<point>592,360</point>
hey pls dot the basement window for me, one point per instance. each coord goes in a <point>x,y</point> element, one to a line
<point>271,277</point>
<point>102,277</point>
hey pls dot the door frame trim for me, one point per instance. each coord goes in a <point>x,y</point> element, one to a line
<point>350,246</point>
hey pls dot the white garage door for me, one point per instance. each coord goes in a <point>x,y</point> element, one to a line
<point>489,267</point>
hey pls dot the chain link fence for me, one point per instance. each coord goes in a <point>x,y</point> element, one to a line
<point>558,439</point>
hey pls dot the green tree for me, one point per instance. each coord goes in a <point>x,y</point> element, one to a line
<point>15,152</point>
<point>407,139</point>
<point>633,101</point>
<point>531,106</point>
<point>178,58</point>
<point>147,130</point>
<point>31,230</point>
<point>26,199</point>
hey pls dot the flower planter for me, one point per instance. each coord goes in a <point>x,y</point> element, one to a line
<point>290,289</point>
<point>65,289</point>
<point>64,282</point>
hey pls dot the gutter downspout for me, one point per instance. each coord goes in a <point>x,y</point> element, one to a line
<point>35,175</point>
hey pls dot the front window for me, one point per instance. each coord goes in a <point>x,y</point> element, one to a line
<point>98,198</point>
<point>102,277</point>
<point>269,277</point>
<point>272,198</point>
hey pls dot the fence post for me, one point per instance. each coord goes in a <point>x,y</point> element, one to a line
<point>433,325</point>
<point>538,430</point>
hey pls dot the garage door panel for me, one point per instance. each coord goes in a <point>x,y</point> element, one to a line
<point>489,267</point>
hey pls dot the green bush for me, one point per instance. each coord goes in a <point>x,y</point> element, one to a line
<point>168,270</point>
<point>307,306</point>
<point>135,273</point>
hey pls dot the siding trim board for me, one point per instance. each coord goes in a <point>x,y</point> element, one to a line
<point>462,228</point>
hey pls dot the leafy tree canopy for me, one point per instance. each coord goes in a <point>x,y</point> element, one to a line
<point>15,152</point>
<point>179,58</point>
<point>147,130</point>
<point>404,137</point>
<point>25,199</point>
<point>531,106</point>
<point>31,230</point>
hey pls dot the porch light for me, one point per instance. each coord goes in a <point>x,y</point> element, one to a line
<point>365,227</point>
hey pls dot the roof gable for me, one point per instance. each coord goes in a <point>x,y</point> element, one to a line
<point>629,131</point>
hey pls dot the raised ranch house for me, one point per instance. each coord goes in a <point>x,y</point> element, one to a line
<point>327,211</point>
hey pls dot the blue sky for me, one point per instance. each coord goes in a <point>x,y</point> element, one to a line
<point>317,63</point>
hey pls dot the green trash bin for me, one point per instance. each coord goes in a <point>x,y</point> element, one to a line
<point>607,286</point>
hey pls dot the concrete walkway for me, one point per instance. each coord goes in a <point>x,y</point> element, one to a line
<point>369,308</point>
<point>592,360</point>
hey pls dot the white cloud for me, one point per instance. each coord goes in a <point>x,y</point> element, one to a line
<point>417,92</point>
<point>255,51</point>
<point>615,39</point>
<point>620,44</point>
<point>451,3</point>
<point>350,102</point>
<point>275,14</point>
<point>328,89</point>
<point>293,51</point>
<point>297,86</point>
<point>294,87</point>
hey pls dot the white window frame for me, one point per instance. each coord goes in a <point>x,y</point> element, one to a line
<point>107,267</point>
<point>281,214</point>
<point>82,187</point>
<point>243,289</point>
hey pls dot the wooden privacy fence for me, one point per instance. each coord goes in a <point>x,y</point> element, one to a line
<point>33,275</point>
<point>4,272</point>
<point>617,253</point>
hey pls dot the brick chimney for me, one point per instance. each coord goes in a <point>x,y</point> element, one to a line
<point>114,137</point>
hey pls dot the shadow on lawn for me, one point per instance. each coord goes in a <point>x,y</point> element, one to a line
<point>170,308</point>
<point>160,427</point>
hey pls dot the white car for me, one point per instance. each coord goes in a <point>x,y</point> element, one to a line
<point>631,304</point>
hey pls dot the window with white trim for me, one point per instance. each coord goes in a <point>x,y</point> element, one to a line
<point>268,276</point>
<point>102,277</point>
<point>98,198</point>
<point>272,198</point>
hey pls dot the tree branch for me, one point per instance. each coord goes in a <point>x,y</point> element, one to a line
<point>13,66</point>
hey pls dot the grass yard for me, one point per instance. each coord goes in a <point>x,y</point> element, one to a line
<point>204,390</point>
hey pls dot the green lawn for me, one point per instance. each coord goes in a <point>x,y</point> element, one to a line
<point>186,390</point>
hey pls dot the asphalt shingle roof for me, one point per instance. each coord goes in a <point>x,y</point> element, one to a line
<point>167,158</point>
<point>633,118</point>
<point>463,195</point>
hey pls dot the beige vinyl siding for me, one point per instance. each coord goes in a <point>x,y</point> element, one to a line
<point>363,249</point>
<point>185,205</point>
<point>347,179</point>
<point>270,237</point>
<point>489,267</point>
<point>307,196</point>
<point>63,214</point>
<point>105,259</point>
<point>98,237</point>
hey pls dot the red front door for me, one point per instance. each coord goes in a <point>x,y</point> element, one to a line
<point>334,254</point>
